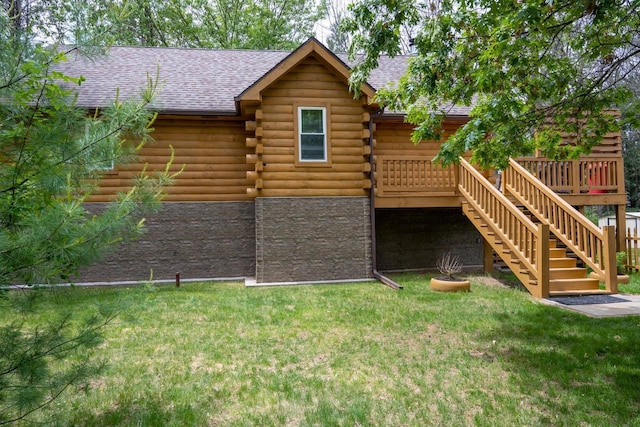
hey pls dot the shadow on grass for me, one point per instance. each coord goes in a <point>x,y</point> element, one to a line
<point>157,412</point>
<point>572,364</point>
<point>144,411</point>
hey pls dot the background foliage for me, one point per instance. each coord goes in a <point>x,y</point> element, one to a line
<point>229,24</point>
<point>530,71</point>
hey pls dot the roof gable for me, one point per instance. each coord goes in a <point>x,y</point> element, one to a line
<point>311,47</point>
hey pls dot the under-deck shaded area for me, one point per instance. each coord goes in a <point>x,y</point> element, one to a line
<point>415,238</point>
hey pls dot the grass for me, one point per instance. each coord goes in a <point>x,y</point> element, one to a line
<point>355,354</point>
<point>633,287</point>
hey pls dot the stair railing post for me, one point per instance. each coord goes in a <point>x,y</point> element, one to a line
<point>503,180</point>
<point>609,254</point>
<point>542,260</point>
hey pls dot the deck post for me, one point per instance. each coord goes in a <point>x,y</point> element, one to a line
<point>609,254</point>
<point>621,227</point>
<point>542,260</point>
<point>487,251</point>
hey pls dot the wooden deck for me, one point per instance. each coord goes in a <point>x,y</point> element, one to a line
<point>415,181</point>
<point>406,181</point>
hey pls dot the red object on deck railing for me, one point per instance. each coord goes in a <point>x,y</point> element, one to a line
<point>598,177</point>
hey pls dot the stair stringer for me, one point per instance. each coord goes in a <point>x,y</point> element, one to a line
<point>506,250</point>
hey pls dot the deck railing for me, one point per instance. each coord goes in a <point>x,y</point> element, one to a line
<point>525,239</point>
<point>589,174</point>
<point>414,176</point>
<point>420,176</point>
<point>595,246</point>
<point>632,249</point>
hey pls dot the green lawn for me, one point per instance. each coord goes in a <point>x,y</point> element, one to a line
<point>220,354</point>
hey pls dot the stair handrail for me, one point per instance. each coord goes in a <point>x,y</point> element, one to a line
<point>594,246</point>
<point>523,237</point>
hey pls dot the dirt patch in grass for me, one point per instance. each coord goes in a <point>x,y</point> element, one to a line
<point>488,281</point>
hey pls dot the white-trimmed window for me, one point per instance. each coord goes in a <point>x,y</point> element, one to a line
<point>312,135</point>
<point>99,150</point>
<point>93,149</point>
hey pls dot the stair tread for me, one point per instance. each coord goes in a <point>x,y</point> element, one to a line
<point>562,262</point>
<point>557,253</point>
<point>568,273</point>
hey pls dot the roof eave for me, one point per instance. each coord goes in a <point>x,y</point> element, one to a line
<point>223,113</point>
<point>401,116</point>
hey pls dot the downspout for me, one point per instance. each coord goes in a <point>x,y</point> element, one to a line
<point>376,274</point>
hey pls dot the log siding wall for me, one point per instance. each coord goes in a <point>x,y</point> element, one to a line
<point>273,163</point>
<point>394,139</point>
<point>212,153</point>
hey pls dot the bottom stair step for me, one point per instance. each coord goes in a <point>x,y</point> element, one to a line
<point>584,284</point>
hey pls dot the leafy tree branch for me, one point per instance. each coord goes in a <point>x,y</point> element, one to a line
<point>530,72</point>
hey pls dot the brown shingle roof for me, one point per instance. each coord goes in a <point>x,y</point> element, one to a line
<point>191,80</point>
<point>388,72</point>
<point>198,81</point>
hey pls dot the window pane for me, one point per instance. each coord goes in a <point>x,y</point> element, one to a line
<point>312,147</point>
<point>312,121</point>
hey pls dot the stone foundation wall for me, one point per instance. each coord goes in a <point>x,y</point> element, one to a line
<point>312,239</point>
<point>287,240</point>
<point>416,238</point>
<point>199,240</point>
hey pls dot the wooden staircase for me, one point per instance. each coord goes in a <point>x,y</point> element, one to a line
<point>535,245</point>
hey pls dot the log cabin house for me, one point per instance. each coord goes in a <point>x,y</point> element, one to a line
<point>287,179</point>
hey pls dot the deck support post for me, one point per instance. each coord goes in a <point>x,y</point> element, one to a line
<point>487,251</point>
<point>609,254</point>
<point>621,227</point>
<point>575,176</point>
